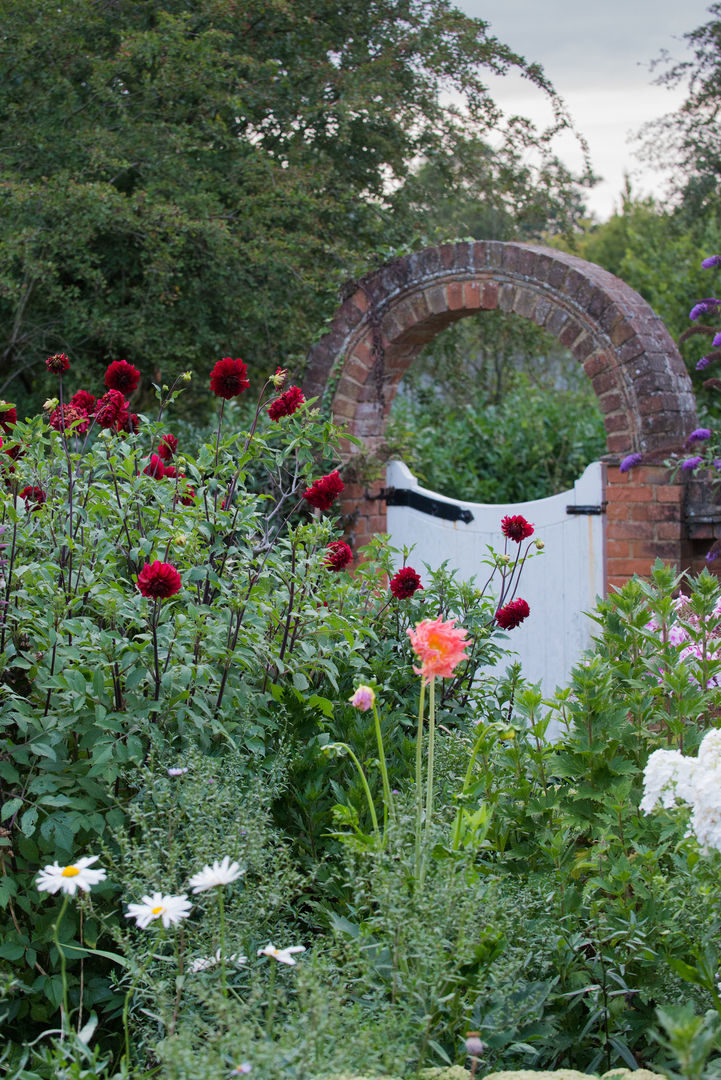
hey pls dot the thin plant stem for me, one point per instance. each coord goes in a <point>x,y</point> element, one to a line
<point>221,917</point>
<point>271,1001</point>
<point>65,1014</point>
<point>366,788</point>
<point>419,776</point>
<point>388,810</point>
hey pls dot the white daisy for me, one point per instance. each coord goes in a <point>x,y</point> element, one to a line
<point>70,878</point>
<point>171,909</point>
<point>204,963</point>
<point>220,873</point>
<point>242,1070</point>
<point>283,956</point>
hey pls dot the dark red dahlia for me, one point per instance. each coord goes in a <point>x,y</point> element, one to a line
<point>159,579</point>
<point>155,467</point>
<point>228,378</point>
<point>109,408</point>
<point>8,416</point>
<point>405,583</point>
<point>33,495</point>
<point>171,472</point>
<point>168,446</point>
<point>122,376</point>
<point>512,614</point>
<point>286,404</point>
<point>322,493</point>
<point>57,363</point>
<point>337,555</point>
<point>516,528</point>
<point>188,496</point>
<point>83,400</point>
<point>69,417</point>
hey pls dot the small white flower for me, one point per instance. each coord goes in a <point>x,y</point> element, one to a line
<point>283,956</point>
<point>176,772</point>
<point>70,878</point>
<point>171,909</point>
<point>205,963</point>
<point>242,1070</point>
<point>220,873</point>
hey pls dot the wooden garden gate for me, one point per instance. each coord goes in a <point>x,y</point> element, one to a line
<point>561,585</point>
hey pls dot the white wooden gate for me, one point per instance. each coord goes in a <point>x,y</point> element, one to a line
<point>560,585</point>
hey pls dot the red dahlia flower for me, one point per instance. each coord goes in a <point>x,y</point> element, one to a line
<point>228,378</point>
<point>405,583</point>
<point>109,408</point>
<point>159,579</point>
<point>65,418</point>
<point>83,400</point>
<point>338,555</point>
<point>168,446</point>
<point>188,496</point>
<point>170,471</point>
<point>511,615</point>
<point>8,417</point>
<point>34,495</point>
<point>516,528</point>
<point>323,493</point>
<point>57,363</point>
<point>122,376</point>
<point>286,404</point>
<point>155,467</point>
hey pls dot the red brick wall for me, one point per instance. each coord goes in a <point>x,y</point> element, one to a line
<point>643,389</point>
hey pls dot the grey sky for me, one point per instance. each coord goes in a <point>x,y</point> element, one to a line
<point>598,58</point>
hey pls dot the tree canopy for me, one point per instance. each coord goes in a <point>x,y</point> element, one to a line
<point>183,179</point>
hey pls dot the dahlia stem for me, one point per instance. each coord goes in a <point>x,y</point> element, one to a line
<point>419,776</point>
<point>154,627</point>
<point>387,797</point>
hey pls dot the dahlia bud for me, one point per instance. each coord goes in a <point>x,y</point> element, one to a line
<point>508,735</point>
<point>540,544</point>
<point>278,380</point>
<point>503,560</point>
<point>187,376</point>
<point>51,404</point>
<point>474,1045</point>
<point>180,539</point>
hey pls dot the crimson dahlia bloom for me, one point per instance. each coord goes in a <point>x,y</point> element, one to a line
<point>515,527</point>
<point>286,404</point>
<point>122,376</point>
<point>168,446</point>
<point>323,493</point>
<point>512,614</point>
<point>159,579</point>
<point>83,400</point>
<point>188,497</point>
<point>34,495</point>
<point>57,363</point>
<point>228,379</point>
<point>405,583</point>
<point>338,555</point>
<point>8,417</point>
<point>63,419</point>
<point>109,408</point>
<point>155,468</point>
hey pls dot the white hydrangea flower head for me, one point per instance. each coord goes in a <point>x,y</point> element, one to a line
<point>69,879</point>
<point>170,909</point>
<point>709,752</point>
<point>220,873</point>
<point>665,771</point>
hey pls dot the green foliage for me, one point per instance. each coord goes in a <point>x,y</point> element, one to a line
<point>180,177</point>
<point>520,419</point>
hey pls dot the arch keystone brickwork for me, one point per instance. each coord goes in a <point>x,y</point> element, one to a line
<point>643,389</point>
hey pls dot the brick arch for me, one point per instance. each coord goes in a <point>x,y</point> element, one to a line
<point>643,389</point>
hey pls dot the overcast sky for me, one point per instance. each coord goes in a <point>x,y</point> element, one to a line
<point>598,58</point>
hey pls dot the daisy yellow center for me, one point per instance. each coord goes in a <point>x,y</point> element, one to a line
<point>70,871</point>
<point>157,910</point>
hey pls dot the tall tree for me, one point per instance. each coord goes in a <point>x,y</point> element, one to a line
<point>184,178</point>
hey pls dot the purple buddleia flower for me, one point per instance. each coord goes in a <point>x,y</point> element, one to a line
<point>691,463</point>
<point>703,363</point>
<point>716,341</point>
<point>713,260</point>
<point>630,462</point>
<point>701,434</point>
<point>717,464</point>
<point>704,307</point>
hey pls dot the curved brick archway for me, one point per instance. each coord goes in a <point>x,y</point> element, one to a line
<point>643,389</point>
